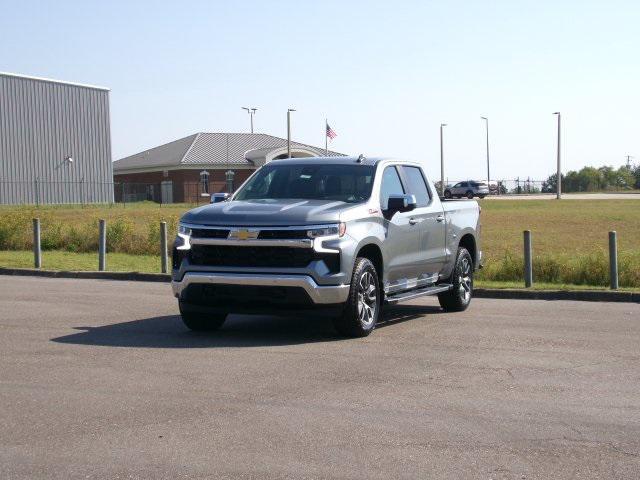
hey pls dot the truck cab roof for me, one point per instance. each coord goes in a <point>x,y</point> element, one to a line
<point>339,161</point>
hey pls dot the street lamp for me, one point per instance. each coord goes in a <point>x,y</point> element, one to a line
<point>442,125</point>
<point>251,111</point>
<point>289,110</point>
<point>559,173</point>
<point>486,121</point>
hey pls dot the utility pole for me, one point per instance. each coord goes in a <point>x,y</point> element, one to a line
<point>251,111</point>
<point>559,174</point>
<point>629,157</point>
<point>289,110</point>
<point>486,120</point>
<point>442,125</point>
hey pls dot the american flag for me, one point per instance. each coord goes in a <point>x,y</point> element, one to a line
<point>330,133</point>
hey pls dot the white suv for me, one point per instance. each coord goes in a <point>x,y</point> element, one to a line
<point>467,189</point>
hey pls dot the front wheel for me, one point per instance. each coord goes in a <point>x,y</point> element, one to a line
<point>362,309</point>
<point>447,194</point>
<point>202,322</point>
<point>470,195</point>
<point>459,297</point>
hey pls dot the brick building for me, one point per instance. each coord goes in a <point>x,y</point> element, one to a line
<point>188,169</point>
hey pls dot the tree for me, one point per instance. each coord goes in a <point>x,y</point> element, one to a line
<point>590,179</point>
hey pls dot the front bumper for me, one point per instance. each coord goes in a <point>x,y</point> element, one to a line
<point>319,294</point>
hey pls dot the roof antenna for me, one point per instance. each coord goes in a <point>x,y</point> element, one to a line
<point>360,158</point>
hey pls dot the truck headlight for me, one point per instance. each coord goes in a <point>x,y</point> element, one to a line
<point>184,230</point>
<point>327,231</point>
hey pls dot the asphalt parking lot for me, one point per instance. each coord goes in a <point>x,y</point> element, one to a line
<point>99,379</point>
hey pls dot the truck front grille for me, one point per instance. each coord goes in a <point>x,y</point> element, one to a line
<point>269,257</point>
<point>209,233</point>
<point>282,234</point>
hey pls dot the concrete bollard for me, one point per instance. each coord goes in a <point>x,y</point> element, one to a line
<point>528,265</point>
<point>613,260</point>
<point>37,251</point>
<point>102,246</point>
<point>163,247</point>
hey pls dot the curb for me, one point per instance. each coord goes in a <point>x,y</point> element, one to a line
<point>506,294</point>
<point>131,276</point>
<point>581,295</point>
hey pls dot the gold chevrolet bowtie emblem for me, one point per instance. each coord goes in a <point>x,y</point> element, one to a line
<point>243,234</point>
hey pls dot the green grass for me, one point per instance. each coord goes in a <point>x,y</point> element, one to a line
<point>71,261</point>
<point>569,237</point>
<point>570,240</point>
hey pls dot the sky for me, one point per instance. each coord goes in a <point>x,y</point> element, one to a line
<point>385,74</point>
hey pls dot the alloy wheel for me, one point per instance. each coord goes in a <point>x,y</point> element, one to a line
<point>367,299</point>
<point>465,281</point>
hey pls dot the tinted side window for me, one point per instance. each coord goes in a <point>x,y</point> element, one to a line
<point>463,185</point>
<point>417,185</point>
<point>391,185</point>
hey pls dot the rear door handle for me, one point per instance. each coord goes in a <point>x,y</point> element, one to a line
<point>440,218</point>
<point>412,221</point>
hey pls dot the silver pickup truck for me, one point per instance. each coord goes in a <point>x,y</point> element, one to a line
<point>345,234</point>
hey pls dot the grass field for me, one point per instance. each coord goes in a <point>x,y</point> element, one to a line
<point>569,238</point>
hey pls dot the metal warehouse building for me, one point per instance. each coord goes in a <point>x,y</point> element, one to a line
<point>55,142</point>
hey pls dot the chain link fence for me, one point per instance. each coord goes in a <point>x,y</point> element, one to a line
<point>40,192</point>
<point>514,186</point>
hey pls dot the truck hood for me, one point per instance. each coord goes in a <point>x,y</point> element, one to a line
<point>267,212</point>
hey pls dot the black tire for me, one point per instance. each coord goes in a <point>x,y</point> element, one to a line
<point>447,194</point>
<point>469,195</point>
<point>459,298</point>
<point>482,196</point>
<point>361,312</point>
<point>202,322</point>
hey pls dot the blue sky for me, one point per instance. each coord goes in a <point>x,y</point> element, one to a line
<point>386,74</point>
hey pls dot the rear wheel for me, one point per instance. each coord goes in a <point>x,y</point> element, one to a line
<point>459,297</point>
<point>201,322</point>
<point>362,309</point>
<point>470,195</point>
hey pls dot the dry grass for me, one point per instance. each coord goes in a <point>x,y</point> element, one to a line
<point>570,240</point>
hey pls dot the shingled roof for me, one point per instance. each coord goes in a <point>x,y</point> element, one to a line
<point>234,149</point>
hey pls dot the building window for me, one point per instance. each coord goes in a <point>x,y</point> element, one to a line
<point>204,182</point>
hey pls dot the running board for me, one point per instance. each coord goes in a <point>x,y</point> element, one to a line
<point>420,292</point>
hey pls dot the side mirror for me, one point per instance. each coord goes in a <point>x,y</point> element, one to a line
<point>400,203</point>
<point>219,197</point>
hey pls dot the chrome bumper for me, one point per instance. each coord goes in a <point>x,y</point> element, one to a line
<point>319,294</point>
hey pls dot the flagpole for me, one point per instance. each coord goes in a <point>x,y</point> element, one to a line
<point>326,147</point>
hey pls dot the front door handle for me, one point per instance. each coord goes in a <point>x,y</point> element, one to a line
<point>440,218</point>
<point>412,221</point>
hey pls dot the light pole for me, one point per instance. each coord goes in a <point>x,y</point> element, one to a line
<point>251,111</point>
<point>559,174</point>
<point>486,121</point>
<point>289,110</point>
<point>442,125</point>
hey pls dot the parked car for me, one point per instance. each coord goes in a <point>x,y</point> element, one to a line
<point>467,189</point>
<point>348,235</point>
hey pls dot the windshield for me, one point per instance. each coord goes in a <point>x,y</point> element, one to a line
<point>344,183</point>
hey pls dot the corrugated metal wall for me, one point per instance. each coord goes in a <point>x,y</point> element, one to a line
<point>43,122</point>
